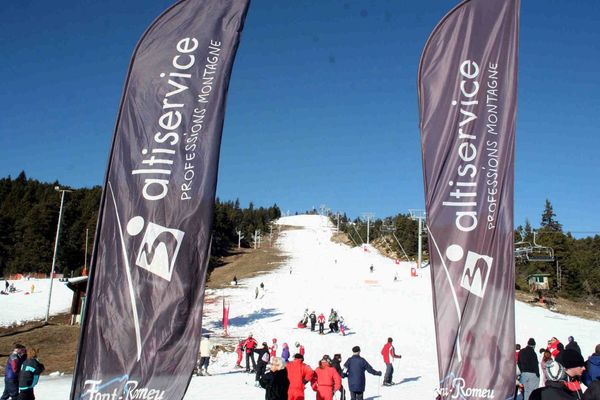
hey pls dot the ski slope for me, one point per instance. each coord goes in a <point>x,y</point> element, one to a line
<point>373,305</point>
<point>23,306</point>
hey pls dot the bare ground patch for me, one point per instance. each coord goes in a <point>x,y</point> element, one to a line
<point>579,308</point>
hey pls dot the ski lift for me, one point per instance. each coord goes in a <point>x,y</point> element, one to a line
<point>387,225</point>
<point>527,252</point>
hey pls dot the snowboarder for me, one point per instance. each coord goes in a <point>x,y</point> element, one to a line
<point>313,321</point>
<point>249,345</point>
<point>11,373</point>
<point>389,353</point>
<point>300,348</point>
<point>298,374</point>
<point>325,381</point>
<point>355,368</point>
<point>276,381</point>
<point>263,360</point>
<point>321,320</point>
<point>31,370</point>
<point>205,347</point>
<point>285,352</point>
<point>273,348</point>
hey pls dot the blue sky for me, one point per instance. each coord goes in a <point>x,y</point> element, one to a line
<point>322,106</point>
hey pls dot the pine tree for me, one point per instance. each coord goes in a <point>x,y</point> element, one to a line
<point>548,219</point>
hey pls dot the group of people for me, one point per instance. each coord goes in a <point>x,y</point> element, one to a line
<point>335,322</point>
<point>22,372</point>
<point>8,288</point>
<point>285,379</point>
<point>560,371</point>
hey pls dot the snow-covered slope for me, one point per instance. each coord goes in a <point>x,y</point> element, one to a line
<point>24,305</point>
<point>320,275</point>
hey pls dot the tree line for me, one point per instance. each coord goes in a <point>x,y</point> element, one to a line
<point>574,272</point>
<point>29,214</point>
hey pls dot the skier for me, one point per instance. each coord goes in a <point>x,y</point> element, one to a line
<point>300,349</point>
<point>276,381</point>
<point>205,347</point>
<point>235,282</point>
<point>298,374</point>
<point>321,320</point>
<point>371,268</point>
<point>313,321</point>
<point>6,286</point>
<point>389,353</point>
<point>332,320</point>
<point>249,345</point>
<point>285,352</point>
<point>240,353</point>
<point>355,368</point>
<point>31,369</point>
<point>263,360</point>
<point>11,373</point>
<point>325,381</point>
<point>273,348</point>
<point>563,378</point>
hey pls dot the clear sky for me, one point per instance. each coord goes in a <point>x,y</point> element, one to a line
<point>322,105</point>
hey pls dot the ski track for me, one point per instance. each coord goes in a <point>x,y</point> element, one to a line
<point>372,304</point>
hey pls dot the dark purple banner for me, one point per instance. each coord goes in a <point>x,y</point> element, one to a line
<point>142,324</point>
<point>467,99</point>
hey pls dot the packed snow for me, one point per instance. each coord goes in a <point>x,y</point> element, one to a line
<point>321,275</point>
<point>30,300</point>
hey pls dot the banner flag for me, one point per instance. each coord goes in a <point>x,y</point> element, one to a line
<point>467,100</point>
<point>225,317</point>
<point>142,326</point>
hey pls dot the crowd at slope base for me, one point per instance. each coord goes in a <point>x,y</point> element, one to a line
<point>558,374</point>
<point>23,370</point>
<point>286,380</point>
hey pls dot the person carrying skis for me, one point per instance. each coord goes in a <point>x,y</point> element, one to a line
<point>249,346</point>
<point>321,320</point>
<point>285,352</point>
<point>389,353</point>
<point>313,321</point>
<point>273,348</point>
<point>12,371</point>
<point>355,368</point>
<point>325,381</point>
<point>298,374</point>
<point>31,369</point>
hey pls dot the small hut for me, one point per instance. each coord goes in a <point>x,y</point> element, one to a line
<point>538,282</point>
<point>78,286</point>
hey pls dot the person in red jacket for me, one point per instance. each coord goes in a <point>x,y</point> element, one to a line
<point>389,353</point>
<point>249,346</point>
<point>553,347</point>
<point>240,353</point>
<point>273,348</point>
<point>325,380</point>
<point>321,321</point>
<point>298,374</point>
<point>300,348</point>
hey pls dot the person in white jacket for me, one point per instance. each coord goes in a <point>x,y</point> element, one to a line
<point>205,348</point>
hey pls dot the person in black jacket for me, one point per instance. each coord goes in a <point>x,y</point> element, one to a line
<point>275,381</point>
<point>336,362</point>
<point>263,360</point>
<point>593,391</point>
<point>530,369</point>
<point>563,378</point>
<point>30,373</point>
<point>572,345</point>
